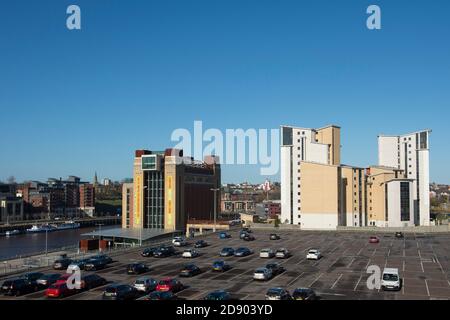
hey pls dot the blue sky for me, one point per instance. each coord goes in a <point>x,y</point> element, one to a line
<point>76,102</point>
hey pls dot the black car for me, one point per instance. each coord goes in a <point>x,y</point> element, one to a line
<point>90,281</point>
<point>137,268</point>
<point>166,251</point>
<point>399,235</point>
<point>201,244</point>
<point>304,294</point>
<point>276,268</point>
<point>106,259</point>
<point>120,292</point>
<point>190,270</point>
<point>31,277</point>
<point>17,287</point>
<point>278,294</point>
<point>81,263</point>
<point>47,279</point>
<point>95,264</point>
<point>274,236</point>
<point>242,252</point>
<point>161,295</point>
<point>243,234</point>
<point>248,237</point>
<point>218,295</point>
<point>148,252</point>
<point>61,264</point>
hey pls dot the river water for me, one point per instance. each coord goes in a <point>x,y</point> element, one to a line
<point>31,243</point>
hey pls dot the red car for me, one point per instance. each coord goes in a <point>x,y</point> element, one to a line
<point>63,278</point>
<point>58,290</point>
<point>169,284</point>
<point>374,239</point>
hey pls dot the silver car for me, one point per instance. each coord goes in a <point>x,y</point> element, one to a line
<point>266,253</point>
<point>145,284</point>
<point>262,274</point>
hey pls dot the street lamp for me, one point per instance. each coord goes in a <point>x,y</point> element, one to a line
<point>215,206</point>
<point>99,234</point>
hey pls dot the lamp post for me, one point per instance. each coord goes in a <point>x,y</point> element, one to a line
<point>46,241</point>
<point>99,235</point>
<point>215,206</point>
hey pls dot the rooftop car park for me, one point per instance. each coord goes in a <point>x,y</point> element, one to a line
<point>423,262</point>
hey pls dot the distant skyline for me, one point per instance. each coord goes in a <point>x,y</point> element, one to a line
<point>79,102</point>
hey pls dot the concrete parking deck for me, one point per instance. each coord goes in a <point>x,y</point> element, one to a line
<point>423,261</point>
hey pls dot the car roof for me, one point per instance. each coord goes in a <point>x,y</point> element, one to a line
<point>390,270</point>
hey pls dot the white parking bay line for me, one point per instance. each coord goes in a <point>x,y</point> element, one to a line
<point>359,280</point>
<point>426,284</point>
<point>337,280</point>
<point>291,282</point>
<point>316,280</point>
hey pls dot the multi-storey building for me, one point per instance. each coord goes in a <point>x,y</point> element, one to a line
<point>317,191</point>
<point>410,153</point>
<point>169,190</point>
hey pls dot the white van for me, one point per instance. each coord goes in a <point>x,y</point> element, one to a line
<point>390,279</point>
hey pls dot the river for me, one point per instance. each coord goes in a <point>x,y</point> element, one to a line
<point>33,243</point>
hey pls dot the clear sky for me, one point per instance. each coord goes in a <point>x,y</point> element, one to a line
<point>76,102</point>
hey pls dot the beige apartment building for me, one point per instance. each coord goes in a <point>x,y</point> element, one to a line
<point>318,192</point>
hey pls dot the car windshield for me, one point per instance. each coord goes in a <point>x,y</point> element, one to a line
<point>164,282</point>
<point>312,251</point>
<point>274,292</point>
<point>390,277</point>
<point>260,270</point>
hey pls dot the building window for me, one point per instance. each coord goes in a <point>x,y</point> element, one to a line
<point>404,201</point>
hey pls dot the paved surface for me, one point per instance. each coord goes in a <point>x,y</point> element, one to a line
<point>423,261</point>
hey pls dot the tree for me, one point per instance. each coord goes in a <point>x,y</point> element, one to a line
<point>276,223</point>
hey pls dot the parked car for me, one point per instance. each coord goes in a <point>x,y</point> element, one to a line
<point>201,244</point>
<point>374,239</point>
<point>62,264</point>
<point>262,274</point>
<point>63,278</point>
<point>148,252</point>
<point>137,268</point>
<point>145,284</point>
<point>226,252</point>
<point>242,252</point>
<point>92,280</point>
<point>106,259</point>
<point>120,292</point>
<point>247,229</point>
<point>220,265</point>
<point>81,264</point>
<point>218,295</point>
<point>224,235</point>
<point>266,253</point>
<point>165,251</point>
<point>31,277</point>
<point>282,253</point>
<point>276,268</point>
<point>190,253</point>
<point>390,279</point>
<point>47,279</point>
<point>59,290</point>
<point>248,237</point>
<point>17,287</point>
<point>278,294</point>
<point>161,295</point>
<point>169,284</point>
<point>179,242</point>
<point>399,235</point>
<point>274,236</point>
<point>313,254</point>
<point>95,264</point>
<point>190,270</point>
<point>304,294</point>
<point>242,234</point>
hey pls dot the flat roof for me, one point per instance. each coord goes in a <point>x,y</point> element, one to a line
<point>130,233</point>
<point>405,134</point>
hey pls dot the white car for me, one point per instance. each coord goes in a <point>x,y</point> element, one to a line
<point>179,242</point>
<point>262,274</point>
<point>390,279</point>
<point>313,254</point>
<point>190,253</point>
<point>266,253</point>
<point>282,253</point>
